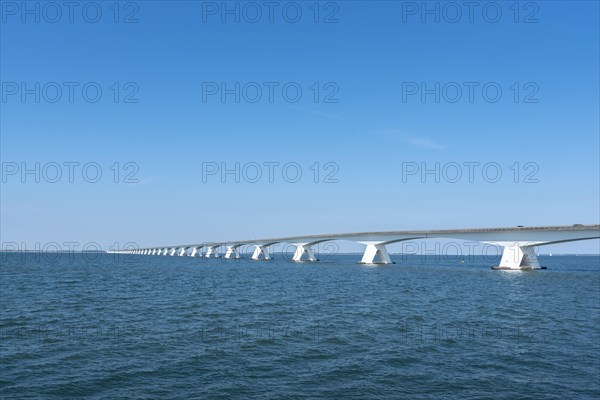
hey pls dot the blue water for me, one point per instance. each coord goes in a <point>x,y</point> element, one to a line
<point>105,326</point>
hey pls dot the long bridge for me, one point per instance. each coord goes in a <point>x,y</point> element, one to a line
<point>518,243</point>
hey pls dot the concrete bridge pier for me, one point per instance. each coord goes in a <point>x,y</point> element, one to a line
<point>195,251</point>
<point>233,251</point>
<point>211,252</point>
<point>375,253</point>
<point>518,256</point>
<point>262,250</point>
<point>304,248</point>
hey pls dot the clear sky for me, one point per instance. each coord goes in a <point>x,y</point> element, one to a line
<point>367,94</point>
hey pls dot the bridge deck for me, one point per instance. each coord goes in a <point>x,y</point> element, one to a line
<point>415,233</point>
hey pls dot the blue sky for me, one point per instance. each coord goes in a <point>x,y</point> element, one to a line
<point>366,59</point>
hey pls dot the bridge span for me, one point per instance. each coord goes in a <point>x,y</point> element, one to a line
<point>518,243</point>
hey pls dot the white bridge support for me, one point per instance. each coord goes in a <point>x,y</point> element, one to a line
<point>302,249</point>
<point>195,251</point>
<point>261,250</point>
<point>173,251</point>
<point>518,256</point>
<point>211,252</point>
<point>183,251</point>
<point>233,251</point>
<point>375,250</point>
